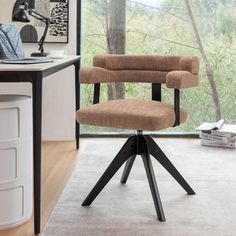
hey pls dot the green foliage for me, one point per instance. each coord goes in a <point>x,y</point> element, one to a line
<point>167,31</point>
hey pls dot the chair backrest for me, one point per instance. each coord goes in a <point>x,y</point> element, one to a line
<point>146,62</point>
<point>147,69</point>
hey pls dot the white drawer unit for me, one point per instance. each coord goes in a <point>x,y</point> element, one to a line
<point>16,160</point>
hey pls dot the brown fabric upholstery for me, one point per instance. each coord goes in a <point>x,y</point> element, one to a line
<point>92,75</point>
<point>126,62</point>
<point>130,114</point>
<point>176,71</point>
<point>156,63</point>
<point>190,63</point>
<point>181,80</point>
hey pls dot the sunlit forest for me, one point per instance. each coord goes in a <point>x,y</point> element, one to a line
<point>206,28</point>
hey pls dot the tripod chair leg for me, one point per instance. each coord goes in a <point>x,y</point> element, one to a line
<point>126,151</point>
<point>128,167</point>
<point>153,184</point>
<point>160,156</point>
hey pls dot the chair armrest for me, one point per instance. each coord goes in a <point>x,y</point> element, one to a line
<point>181,80</point>
<point>86,75</point>
<point>93,75</point>
<point>189,63</point>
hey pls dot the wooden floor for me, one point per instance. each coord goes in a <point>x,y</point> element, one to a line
<point>58,162</point>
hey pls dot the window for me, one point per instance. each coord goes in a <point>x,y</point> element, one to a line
<point>167,27</point>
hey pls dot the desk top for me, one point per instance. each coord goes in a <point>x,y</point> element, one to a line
<point>70,60</point>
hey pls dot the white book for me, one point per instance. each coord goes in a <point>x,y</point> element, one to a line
<point>223,134</point>
<point>218,129</point>
<point>207,136</point>
<point>211,126</point>
<point>226,130</point>
<point>217,144</point>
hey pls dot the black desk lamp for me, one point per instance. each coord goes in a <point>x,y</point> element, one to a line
<point>23,14</point>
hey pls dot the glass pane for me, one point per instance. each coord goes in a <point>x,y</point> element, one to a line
<point>166,27</point>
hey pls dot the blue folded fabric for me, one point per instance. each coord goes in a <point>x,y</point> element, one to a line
<point>11,46</point>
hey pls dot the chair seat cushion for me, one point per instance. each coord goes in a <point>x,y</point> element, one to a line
<point>130,114</point>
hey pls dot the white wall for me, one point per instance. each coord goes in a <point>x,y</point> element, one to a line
<point>58,89</point>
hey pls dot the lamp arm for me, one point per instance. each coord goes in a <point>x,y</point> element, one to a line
<point>38,16</point>
<point>45,20</point>
<point>42,40</point>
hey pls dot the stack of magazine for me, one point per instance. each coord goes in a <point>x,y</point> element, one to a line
<point>217,134</point>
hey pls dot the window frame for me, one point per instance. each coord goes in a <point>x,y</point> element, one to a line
<point>120,134</point>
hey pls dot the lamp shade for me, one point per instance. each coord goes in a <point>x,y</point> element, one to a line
<point>21,14</point>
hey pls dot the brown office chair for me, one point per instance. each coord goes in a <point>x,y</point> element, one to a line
<point>177,72</point>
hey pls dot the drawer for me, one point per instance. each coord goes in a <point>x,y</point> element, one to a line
<point>11,205</point>
<point>9,124</point>
<point>16,162</point>
<point>15,118</point>
<point>8,164</point>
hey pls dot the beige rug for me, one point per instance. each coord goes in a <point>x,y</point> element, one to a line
<point>128,210</point>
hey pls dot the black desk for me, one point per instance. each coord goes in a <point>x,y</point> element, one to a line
<point>34,74</point>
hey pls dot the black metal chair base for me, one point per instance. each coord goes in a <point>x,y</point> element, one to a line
<point>144,146</point>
